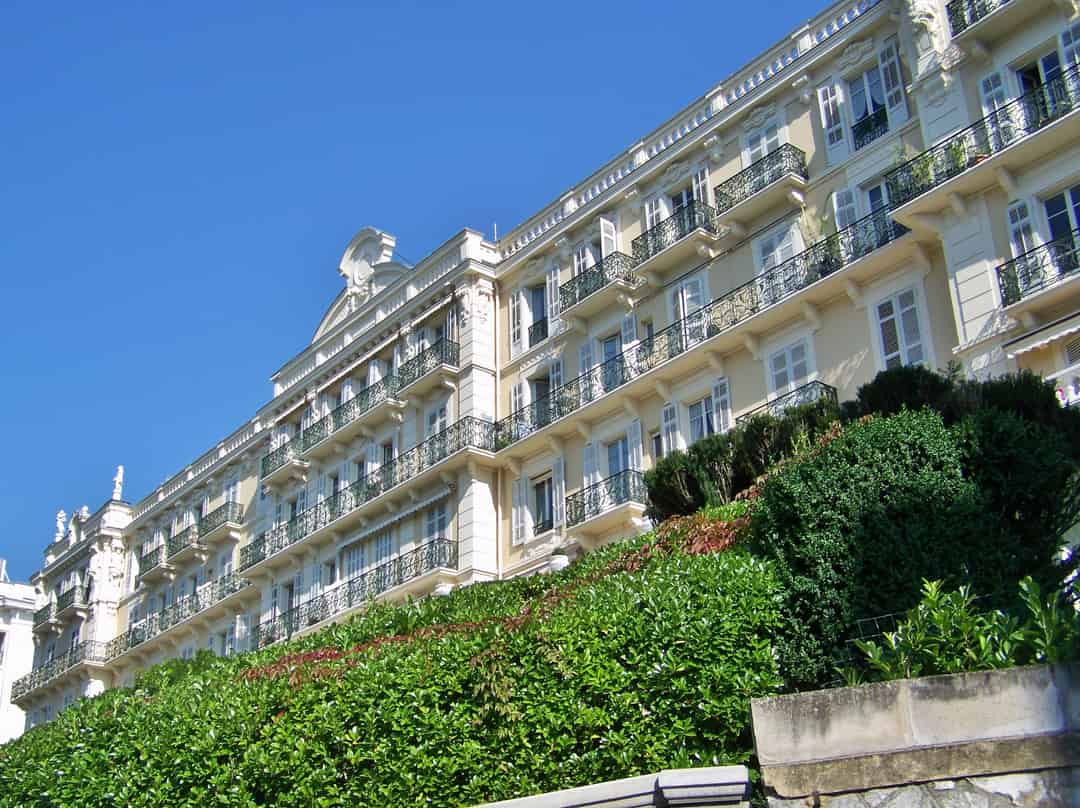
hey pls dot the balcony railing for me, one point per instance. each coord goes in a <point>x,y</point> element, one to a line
<point>366,399</point>
<point>965,13</point>
<point>760,174</point>
<point>73,596</point>
<point>152,558</point>
<point>771,287</point>
<point>618,489</point>
<point>613,267</point>
<point>870,128</point>
<point>807,394</point>
<point>673,229</point>
<point>278,457</point>
<point>163,619</point>
<point>45,614</point>
<point>1001,128</point>
<point>188,537</point>
<point>443,352</point>
<point>1038,269</point>
<point>83,652</point>
<point>538,332</point>
<point>435,554</point>
<point>229,513</point>
<point>465,433</point>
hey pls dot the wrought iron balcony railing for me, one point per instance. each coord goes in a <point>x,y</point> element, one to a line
<point>435,554</point>
<point>74,596</point>
<point>771,287</point>
<point>278,457</point>
<point>1001,128</point>
<point>152,558</point>
<point>443,352</point>
<point>683,222</point>
<point>618,489</point>
<point>83,652</point>
<point>45,614</point>
<point>963,14</point>
<point>229,513</point>
<point>1038,269</point>
<point>188,537</point>
<point>538,332</point>
<point>613,267</point>
<point>466,433</point>
<point>760,174</point>
<point>870,128</point>
<point>180,610</point>
<point>361,403</point>
<point>806,394</point>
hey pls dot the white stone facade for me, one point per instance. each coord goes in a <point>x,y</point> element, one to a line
<point>16,649</point>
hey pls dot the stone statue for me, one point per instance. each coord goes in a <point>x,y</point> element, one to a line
<point>118,483</point>
<point>84,513</point>
<point>60,518</point>
<point>925,27</point>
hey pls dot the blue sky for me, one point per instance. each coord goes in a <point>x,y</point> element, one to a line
<point>179,181</point>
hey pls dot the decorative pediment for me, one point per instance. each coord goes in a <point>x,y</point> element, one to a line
<point>674,174</point>
<point>759,116</point>
<point>855,54</point>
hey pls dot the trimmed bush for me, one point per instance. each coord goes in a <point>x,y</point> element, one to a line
<point>910,387</point>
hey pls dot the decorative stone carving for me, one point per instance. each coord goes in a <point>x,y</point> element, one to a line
<point>674,174</point>
<point>759,115</point>
<point>60,518</point>
<point>714,148</point>
<point>118,483</point>
<point>855,54</point>
<point>485,299</point>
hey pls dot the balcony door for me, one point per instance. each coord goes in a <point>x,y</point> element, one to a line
<point>789,368</point>
<point>1063,223</point>
<point>687,302</point>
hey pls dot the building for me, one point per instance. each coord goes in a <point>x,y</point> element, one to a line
<point>16,648</point>
<point>893,183</point>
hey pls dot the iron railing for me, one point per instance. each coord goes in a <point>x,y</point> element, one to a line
<point>806,394</point>
<point>188,537</point>
<point>361,403</point>
<point>771,287</point>
<point>963,14</point>
<point>45,614</point>
<point>538,332</point>
<point>278,457</point>
<point>618,489</point>
<point>152,558</point>
<point>176,612</point>
<point>683,222</point>
<point>466,433</point>
<point>229,513</point>
<point>1037,269</point>
<point>870,128</point>
<point>612,267</point>
<point>443,352</point>
<point>438,553</point>
<point>82,652</point>
<point>73,596</point>
<point>760,174</point>
<point>1001,128</point>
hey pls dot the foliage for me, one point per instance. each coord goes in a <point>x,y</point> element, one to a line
<point>497,690</point>
<point>710,530</point>
<point>947,632</point>
<point>907,387</point>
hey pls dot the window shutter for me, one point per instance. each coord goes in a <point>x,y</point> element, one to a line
<point>558,491</point>
<point>893,80</point>
<point>278,513</point>
<point>372,459</point>
<point>551,290</point>
<point>844,208</point>
<point>633,439</point>
<point>517,397</point>
<point>609,236</point>
<point>1021,233</point>
<point>629,330</point>
<point>722,405</point>
<point>397,357</point>
<point>585,364</point>
<point>555,374</point>
<point>516,515</point>
<point>700,186</point>
<point>589,464</point>
<point>515,323</point>
<point>832,122</point>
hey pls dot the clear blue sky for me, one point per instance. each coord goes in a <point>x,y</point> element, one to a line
<point>179,181</point>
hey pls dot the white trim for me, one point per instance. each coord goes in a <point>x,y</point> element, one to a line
<point>913,279</point>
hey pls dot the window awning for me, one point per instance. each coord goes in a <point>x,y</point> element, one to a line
<point>1043,335</point>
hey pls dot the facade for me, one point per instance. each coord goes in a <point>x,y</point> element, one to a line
<point>16,648</point>
<point>891,184</point>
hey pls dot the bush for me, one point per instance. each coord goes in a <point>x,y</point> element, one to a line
<point>533,685</point>
<point>909,387</point>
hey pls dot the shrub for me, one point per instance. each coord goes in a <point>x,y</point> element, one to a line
<point>909,387</point>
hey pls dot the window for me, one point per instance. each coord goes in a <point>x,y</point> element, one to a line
<point>687,298</point>
<point>1021,233</point>
<point>789,367</point>
<point>656,441</point>
<point>844,208</point>
<point>669,428</point>
<point>901,336</point>
<point>1063,214</point>
<point>832,123</point>
<point>436,420</point>
<point>762,141</point>
<point>680,199</point>
<point>384,547</point>
<point>877,197</point>
<point>354,560</point>
<point>232,490</point>
<point>515,323</point>
<point>776,248</point>
<point>609,236</point>
<point>618,456</point>
<point>866,94</point>
<point>776,279</point>
<point>702,422</point>
<point>543,516</point>
<point>435,522</point>
<point>654,212</point>
<point>583,257</point>
<point>551,292</point>
<point>555,374</point>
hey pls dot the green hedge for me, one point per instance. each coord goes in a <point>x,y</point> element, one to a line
<point>475,704</point>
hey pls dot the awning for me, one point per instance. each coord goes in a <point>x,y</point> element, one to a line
<point>1043,335</point>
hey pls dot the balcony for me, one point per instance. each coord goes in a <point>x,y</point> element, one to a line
<point>1020,133</point>
<point>428,369</point>
<point>807,394</point>
<point>988,20</point>
<point>222,524</point>
<point>92,653</point>
<point>71,602</point>
<point>1041,276</point>
<point>284,463</point>
<point>45,618</point>
<point>599,287</point>
<point>538,332</point>
<point>184,546</point>
<point>833,267</point>
<point>615,502</point>
<point>763,185</point>
<point>209,601</point>
<point>467,438</point>
<point>407,568</point>
<point>368,408</point>
<point>873,126</point>
<point>691,232</point>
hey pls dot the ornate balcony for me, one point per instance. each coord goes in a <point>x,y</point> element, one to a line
<point>437,554</point>
<point>222,523</point>
<point>538,332</point>
<point>598,287</point>
<point>989,20</point>
<point>1038,271</point>
<point>465,437</point>
<point>84,652</point>
<point>691,230</point>
<point>597,509</point>
<point>807,394</point>
<point>369,406</point>
<point>284,463</point>
<point>428,368</point>
<point>45,618</point>
<point>206,597</point>
<point>154,564</point>
<point>975,158</point>
<point>780,175</point>
<point>861,251</point>
<point>71,602</point>
<point>184,545</point>
<point>870,128</point>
